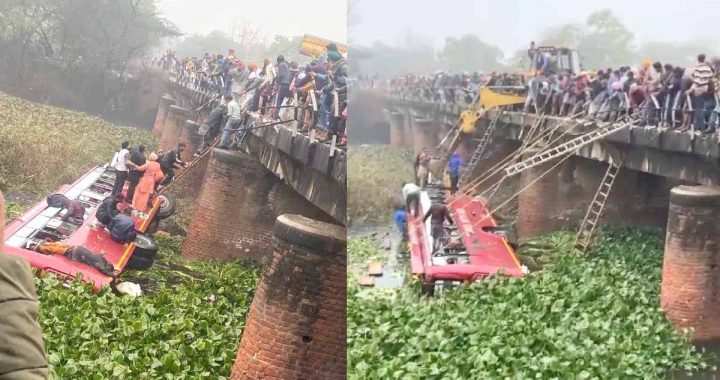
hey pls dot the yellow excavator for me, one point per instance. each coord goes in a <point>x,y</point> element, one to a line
<point>489,98</point>
<point>314,46</point>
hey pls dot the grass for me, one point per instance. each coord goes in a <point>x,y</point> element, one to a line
<point>375,177</point>
<point>44,147</point>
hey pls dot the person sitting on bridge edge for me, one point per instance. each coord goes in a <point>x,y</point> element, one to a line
<point>210,127</point>
<point>454,164</point>
<point>437,213</point>
<point>108,209</point>
<point>76,253</point>
<point>171,161</point>
<point>234,123</point>
<point>75,210</point>
<point>122,227</point>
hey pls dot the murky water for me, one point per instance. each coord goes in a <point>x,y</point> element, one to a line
<point>395,264</point>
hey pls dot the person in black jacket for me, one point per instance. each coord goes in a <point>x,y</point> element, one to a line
<point>122,228</point>
<point>108,209</point>
<point>137,157</point>
<point>171,161</point>
<point>210,127</point>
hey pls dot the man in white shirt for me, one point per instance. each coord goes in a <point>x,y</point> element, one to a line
<point>234,114</point>
<point>120,164</point>
<point>411,194</point>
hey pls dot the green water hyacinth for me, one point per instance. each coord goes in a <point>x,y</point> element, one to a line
<point>577,318</point>
<point>177,332</point>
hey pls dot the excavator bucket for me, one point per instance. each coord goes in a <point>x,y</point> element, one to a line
<point>490,99</point>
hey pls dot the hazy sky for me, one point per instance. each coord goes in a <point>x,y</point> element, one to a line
<point>324,18</point>
<point>512,24</point>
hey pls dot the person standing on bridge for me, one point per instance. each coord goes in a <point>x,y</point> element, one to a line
<point>119,163</point>
<point>703,94</point>
<point>283,81</point>
<point>234,123</point>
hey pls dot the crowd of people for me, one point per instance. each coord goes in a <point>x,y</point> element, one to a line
<point>659,94</point>
<point>274,90</point>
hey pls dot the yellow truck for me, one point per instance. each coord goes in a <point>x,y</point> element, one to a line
<point>313,46</point>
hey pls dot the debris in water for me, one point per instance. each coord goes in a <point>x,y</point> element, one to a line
<point>129,288</point>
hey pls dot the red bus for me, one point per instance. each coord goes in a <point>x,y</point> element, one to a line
<point>43,222</point>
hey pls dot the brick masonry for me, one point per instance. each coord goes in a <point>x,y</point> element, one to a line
<point>690,290</point>
<point>172,128</point>
<point>561,198</point>
<point>162,112</point>
<point>233,217</point>
<point>397,129</point>
<point>296,326</point>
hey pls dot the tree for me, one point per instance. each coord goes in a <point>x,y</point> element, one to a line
<point>196,45</point>
<point>607,41</point>
<point>566,35</point>
<point>248,36</point>
<point>470,53</point>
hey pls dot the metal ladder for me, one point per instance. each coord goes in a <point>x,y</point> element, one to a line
<point>481,150</point>
<point>592,216</point>
<point>566,147</point>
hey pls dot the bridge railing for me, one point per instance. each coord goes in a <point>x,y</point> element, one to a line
<point>304,110</point>
<point>676,110</point>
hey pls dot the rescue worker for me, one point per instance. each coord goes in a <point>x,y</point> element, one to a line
<point>137,158</point>
<point>76,253</point>
<point>210,127</point>
<point>122,228</point>
<point>171,161</point>
<point>24,357</point>
<point>411,195</point>
<point>234,123</point>
<point>454,164</point>
<point>437,213</point>
<point>152,175</point>
<point>108,209</point>
<point>119,163</point>
<point>400,218</point>
<point>422,167</point>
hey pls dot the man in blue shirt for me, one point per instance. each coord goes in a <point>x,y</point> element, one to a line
<point>454,164</point>
<point>401,222</point>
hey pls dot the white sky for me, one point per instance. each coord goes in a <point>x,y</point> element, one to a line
<point>512,24</point>
<point>323,18</point>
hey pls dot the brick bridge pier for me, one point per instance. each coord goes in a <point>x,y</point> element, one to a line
<point>279,199</point>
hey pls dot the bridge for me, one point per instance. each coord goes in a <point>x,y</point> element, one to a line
<point>595,173</point>
<point>278,196</point>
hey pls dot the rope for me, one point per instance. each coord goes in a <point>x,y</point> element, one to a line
<point>535,180</point>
